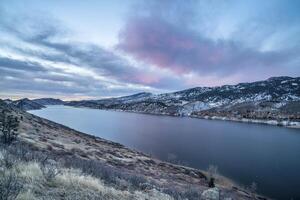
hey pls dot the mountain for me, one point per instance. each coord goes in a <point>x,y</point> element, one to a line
<point>7,101</point>
<point>35,104</point>
<point>277,98</point>
<point>48,101</point>
<point>27,104</point>
<point>111,102</point>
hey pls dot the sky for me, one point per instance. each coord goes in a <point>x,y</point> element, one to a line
<point>96,49</point>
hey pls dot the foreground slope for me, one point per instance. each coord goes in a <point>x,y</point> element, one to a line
<point>119,166</point>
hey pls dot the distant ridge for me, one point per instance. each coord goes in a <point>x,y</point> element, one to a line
<point>277,98</point>
<point>48,101</point>
<point>26,104</point>
<point>35,104</point>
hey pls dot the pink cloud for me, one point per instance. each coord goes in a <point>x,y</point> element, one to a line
<point>164,45</point>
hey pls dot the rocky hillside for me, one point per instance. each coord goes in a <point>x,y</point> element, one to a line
<point>275,99</point>
<point>34,104</point>
<point>51,161</point>
<point>26,104</point>
<point>48,101</point>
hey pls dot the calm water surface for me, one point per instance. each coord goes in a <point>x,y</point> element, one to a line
<point>267,155</point>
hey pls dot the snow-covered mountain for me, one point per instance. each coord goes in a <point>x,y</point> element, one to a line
<point>273,98</point>
<point>276,98</point>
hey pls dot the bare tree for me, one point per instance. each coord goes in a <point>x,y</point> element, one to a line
<point>8,127</point>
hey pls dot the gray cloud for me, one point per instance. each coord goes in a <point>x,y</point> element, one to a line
<point>21,65</point>
<point>175,35</point>
<point>168,41</point>
<point>36,77</point>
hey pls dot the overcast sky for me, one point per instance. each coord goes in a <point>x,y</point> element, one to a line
<point>93,49</point>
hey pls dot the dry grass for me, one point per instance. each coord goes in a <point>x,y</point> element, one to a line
<point>68,184</point>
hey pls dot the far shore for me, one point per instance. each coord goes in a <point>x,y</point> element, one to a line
<point>283,123</point>
<point>287,124</point>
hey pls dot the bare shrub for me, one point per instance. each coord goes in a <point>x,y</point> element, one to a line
<point>10,185</point>
<point>50,170</point>
<point>110,175</point>
<point>7,160</point>
<point>212,172</point>
<point>190,193</point>
<point>8,127</point>
<point>135,181</point>
<point>172,191</point>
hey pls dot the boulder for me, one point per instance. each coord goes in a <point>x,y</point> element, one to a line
<point>210,194</point>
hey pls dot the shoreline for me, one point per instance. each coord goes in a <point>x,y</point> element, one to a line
<point>66,141</point>
<point>273,122</point>
<point>286,124</point>
<point>221,180</point>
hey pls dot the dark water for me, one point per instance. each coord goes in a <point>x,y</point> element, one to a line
<point>267,155</point>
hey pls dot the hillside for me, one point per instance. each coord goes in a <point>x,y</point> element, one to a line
<point>48,101</point>
<point>26,104</point>
<point>34,104</point>
<point>275,101</point>
<point>93,168</point>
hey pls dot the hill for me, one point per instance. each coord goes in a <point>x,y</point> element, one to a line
<point>34,104</point>
<point>48,101</point>
<point>275,101</point>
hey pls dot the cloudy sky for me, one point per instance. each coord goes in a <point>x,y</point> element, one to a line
<point>93,49</point>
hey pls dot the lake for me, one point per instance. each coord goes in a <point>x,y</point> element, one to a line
<point>246,153</point>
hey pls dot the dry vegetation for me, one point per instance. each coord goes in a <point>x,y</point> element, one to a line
<point>32,177</point>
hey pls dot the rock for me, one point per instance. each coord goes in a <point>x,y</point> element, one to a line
<point>211,194</point>
<point>146,186</point>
